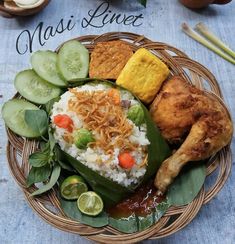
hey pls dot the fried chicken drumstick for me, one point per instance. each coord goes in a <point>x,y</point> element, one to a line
<point>185,114</point>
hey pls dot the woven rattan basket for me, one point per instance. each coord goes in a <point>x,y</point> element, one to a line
<point>219,166</point>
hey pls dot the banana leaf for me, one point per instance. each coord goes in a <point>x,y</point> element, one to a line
<point>71,210</point>
<point>182,191</point>
<point>158,150</point>
<point>110,191</point>
<point>187,185</point>
<point>131,224</point>
<point>139,223</point>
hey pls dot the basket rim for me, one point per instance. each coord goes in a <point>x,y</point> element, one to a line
<point>156,231</point>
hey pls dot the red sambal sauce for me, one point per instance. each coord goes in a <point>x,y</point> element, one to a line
<point>140,203</point>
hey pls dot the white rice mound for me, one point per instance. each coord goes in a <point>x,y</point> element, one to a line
<point>90,156</point>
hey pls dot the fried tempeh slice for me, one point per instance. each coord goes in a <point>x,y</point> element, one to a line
<point>108,59</point>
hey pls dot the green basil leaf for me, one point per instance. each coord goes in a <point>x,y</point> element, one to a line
<point>71,210</point>
<point>37,120</point>
<point>38,175</point>
<point>43,145</point>
<point>54,177</point>
<point>39,159</point>
<point>187,185</point>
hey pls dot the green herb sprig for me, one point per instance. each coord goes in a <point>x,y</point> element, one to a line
<point>45,166</point>
<point>143,2</point>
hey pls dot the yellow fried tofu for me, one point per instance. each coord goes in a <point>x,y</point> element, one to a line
<point>143,75</point>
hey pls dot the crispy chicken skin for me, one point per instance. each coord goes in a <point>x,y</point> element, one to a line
<point>185,114</point>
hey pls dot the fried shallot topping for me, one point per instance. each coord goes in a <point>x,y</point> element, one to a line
<point>101,113</point>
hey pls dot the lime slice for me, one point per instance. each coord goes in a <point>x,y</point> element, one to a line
<point>72,187</point>
<point>90,203</point>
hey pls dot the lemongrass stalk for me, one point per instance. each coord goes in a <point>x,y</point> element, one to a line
<point>193,34</point>
<point>202,29</point>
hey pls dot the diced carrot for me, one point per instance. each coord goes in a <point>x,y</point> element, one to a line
<point>64,121</point>
<point>126,160</point>
<point>115,95</point>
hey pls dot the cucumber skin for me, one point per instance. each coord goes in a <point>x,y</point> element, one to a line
<point>61,82</point>
<point>80,48</point>
<point>20,106</point>
<point>35,99</point>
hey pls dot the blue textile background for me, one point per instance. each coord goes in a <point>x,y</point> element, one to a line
<point>160,21</point>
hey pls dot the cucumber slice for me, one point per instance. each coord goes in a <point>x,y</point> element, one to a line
<point>45,65</point>
<point>13,114</point>
<point>34,88</point>
<point>73,60</point>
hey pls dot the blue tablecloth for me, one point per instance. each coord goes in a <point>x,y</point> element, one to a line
<point>160,21</point>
